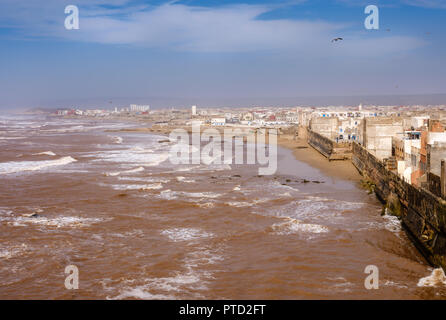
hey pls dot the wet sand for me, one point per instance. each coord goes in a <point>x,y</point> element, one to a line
<point>343,169</point>
<point>302,151</point>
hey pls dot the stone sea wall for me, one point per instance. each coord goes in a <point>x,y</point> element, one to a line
<point>329,148</point>
<point>422,213</point>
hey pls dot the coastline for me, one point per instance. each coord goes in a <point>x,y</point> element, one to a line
<point>302,151</point>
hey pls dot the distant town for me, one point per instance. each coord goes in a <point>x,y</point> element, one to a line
<point>413,138</point>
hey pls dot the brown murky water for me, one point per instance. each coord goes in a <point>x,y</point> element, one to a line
<point>138,227</point>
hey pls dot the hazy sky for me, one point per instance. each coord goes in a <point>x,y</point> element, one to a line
<point>217,52</point>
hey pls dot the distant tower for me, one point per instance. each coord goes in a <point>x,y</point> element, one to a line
<point>194,110</point>
<point>360,107</point>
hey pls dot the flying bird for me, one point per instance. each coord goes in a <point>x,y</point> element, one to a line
<point>336,39</point>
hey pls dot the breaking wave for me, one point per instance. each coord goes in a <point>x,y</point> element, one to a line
<point>295,226</point>
<point>15,167</point>
<point>185,234</point>
<point>117,173</point>
<point>437,277</point>
<point>45,153</point>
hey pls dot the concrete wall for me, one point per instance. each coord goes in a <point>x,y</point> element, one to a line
<point>422,213</point>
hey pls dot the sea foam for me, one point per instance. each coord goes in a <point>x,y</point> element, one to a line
<point>437,277</point>
<point>20,166</point>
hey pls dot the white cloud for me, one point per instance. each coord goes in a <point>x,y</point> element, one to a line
<point>178,27</point>
<point>434,4</point>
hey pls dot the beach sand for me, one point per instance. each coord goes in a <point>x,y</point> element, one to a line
<point>343,169</point>
<point>302,151</point>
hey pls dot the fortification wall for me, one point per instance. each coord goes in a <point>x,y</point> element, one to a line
<point>329,148</point>
<point>422,213</point>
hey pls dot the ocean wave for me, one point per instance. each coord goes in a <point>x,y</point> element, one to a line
<point>45,153</point>
<point>392,223</point>
<point>76,128</point>
<point>390,283</point>
<point>15,167</point>
<point>57,222</point>
<point>144,179</point>
<point>183,179</point>
<point>116,139</point>
<point>206,205</point>
<point>154,186</point>
<point>141,292</point>
<point>12,138</point>
<point>13,251</point>
<point>436,278</point>
<point>171,195</point>
<point>117,173</point>
<point>291,226</point>
<point>279,186</point>
<point>188,168</point>
<point>185,234</point>
<point>126,156</point>
<point>239,204</point>
<point>190,282</point>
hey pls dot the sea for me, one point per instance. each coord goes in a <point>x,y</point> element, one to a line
<point>85,193</point>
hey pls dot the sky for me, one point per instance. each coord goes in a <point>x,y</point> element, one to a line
<point>220,53</point>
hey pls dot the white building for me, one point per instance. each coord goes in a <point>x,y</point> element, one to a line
<point>218,121</point>
<point>139,108</point>
<point>194,110</point>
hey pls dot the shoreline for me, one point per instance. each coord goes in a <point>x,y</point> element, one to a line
<point>302,151</point>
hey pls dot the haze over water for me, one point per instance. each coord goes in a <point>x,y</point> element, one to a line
<point>138,227</point>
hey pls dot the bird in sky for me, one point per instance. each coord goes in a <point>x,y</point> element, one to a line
<point>336,39</point>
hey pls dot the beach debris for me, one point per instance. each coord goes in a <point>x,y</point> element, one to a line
<point>337,39</point>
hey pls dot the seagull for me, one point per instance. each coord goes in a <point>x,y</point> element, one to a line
<point>336,39</point>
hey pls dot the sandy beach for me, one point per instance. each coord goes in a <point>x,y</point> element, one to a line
<point>343,169</point>
<point>302,151</point>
